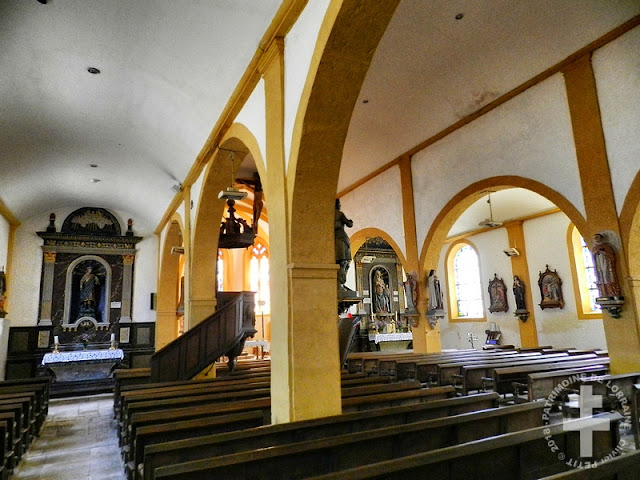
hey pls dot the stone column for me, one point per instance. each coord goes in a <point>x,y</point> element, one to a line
<point>48,267</point>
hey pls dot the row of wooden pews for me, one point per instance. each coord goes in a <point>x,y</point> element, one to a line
<point>24,404</point>
<point>218,428</point>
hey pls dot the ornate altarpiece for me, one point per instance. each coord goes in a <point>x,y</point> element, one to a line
<point>87,273</point>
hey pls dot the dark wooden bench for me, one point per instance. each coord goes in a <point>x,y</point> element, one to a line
<point>475,376</point>
<point>170,450</point>
<point>333,454</point>
<point>503,378</point>
<point>10,454</point>
<point>408,397</point>
<point>522,455</point>
<point>228,380</point>
<point>625,467</point>
<point>540,385</point>
<point>448,373</point>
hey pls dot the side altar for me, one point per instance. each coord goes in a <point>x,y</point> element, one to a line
<point>82,371</point>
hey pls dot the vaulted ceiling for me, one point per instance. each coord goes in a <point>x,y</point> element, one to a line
<point>122,138</point>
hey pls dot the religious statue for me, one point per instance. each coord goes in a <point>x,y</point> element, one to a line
<point>518,292</point>
<point>257,202</point>
<point>604,260</point>
<point>89,284</point>
<point>411,292</point>
<point>343,245</point>
<point>435,294</point>
<point>381,297</point>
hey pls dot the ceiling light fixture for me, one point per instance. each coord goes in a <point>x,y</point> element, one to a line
<point>93,165</point>
<point>232,193</point>
<point>94,180</point>
<point>459,16</point>
<point>93,70</point>
<point>490,222</point>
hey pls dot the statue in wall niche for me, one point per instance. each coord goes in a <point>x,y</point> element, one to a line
<point>89,285</point>
<point>381,297</point>
<point>342,246</point>
<point>604,260</point>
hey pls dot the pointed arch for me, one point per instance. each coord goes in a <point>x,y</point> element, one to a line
<point>360,237</point>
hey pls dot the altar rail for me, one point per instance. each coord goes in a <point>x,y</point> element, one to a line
<point>223,333</point>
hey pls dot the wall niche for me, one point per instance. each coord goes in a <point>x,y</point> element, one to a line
<point>86,285</point>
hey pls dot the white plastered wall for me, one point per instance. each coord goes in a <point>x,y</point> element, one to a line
<point>253,116</point>
<point>27,267</point>
<point>299,48</point>
<point>556,327</point>
<point>616,68</point>
<point>377,203</point>
<point>529,136</point>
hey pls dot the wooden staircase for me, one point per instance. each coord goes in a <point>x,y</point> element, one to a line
<point>221,334</point>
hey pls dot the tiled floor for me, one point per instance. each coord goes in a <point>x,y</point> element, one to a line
<point>78,441</point>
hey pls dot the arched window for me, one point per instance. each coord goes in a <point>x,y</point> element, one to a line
<point>259,277</point>
<point>584,277</point>
<point>463,281</point>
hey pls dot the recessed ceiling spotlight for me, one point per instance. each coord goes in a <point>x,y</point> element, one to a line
<point>94,180</point>
<point>459,16</point>
<point>93,70</point>
<point>93,165</point>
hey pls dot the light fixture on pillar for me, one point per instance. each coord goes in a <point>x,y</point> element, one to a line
<point>235,232</point>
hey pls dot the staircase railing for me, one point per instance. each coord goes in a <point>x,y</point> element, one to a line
<point>223,333</point>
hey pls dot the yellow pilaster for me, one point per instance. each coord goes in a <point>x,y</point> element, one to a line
<point>302,386</point>
<point>186,235</point>
<point>623,336</point>
<point>520,267</point>
<point>425,338</point>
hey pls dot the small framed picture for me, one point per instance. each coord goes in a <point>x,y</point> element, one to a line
<point>550,289</point>
<point>497,295</point>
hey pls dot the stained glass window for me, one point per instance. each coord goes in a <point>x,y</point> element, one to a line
<point>590,273</point>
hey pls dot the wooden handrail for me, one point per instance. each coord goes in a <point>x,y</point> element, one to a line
<point>223,333</point>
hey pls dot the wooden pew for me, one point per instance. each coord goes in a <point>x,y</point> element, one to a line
<point>137,420</point>
<point>336,453</point>
<point>503,378</point>
<point>169,450</point>
<point>234,379</point>
<point>521,455</point>
<point>7,432</point>
<point>448,372</point>
<point>41,390</point>
<point>17,437</point>
<point>540,385</point>
<point>474,376</point>
<point>129,452</point>
<point>625,467</point>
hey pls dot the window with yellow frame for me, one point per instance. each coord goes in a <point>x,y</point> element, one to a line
<point>584,278</point>
<point>463,282</point>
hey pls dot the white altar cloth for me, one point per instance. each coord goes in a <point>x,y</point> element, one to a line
<point>82,356</point>
<point>390,337</point>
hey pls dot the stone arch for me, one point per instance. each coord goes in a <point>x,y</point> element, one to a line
<point>430,251</point>
<point>629,221</point>
<point>361,236</point>
<point>209,212</point>
<point>346,43</point>
<point>168,281</point>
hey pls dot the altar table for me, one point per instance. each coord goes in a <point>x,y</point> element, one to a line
<point>81,365</point>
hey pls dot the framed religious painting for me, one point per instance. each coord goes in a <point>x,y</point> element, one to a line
<point>497,295</point>
<point>550,289</point>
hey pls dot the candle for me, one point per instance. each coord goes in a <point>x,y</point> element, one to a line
<point>55,339</point>
<point>113,337</point>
